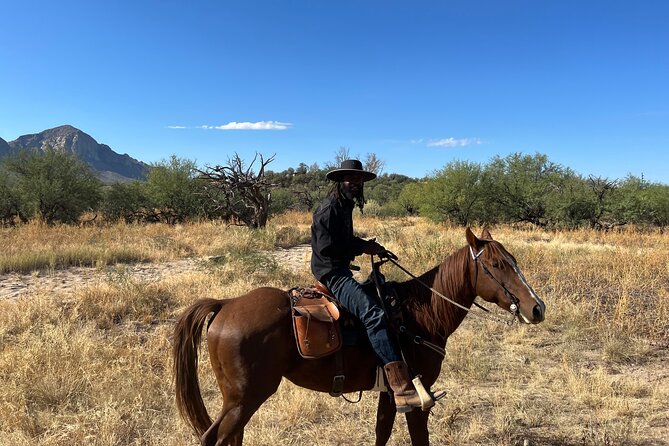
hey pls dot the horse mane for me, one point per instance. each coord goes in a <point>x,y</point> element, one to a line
<point>451,278</point>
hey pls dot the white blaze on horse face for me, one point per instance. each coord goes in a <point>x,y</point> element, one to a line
<point>539,303</point>
<point>534,295</point>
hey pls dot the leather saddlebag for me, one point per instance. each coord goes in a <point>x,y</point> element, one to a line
<point>317,332</point>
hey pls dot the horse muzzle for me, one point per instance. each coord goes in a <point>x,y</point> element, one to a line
<point>537,315</point>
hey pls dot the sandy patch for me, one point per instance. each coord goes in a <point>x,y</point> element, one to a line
<point>65,281</point>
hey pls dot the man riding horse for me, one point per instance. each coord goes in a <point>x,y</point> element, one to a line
<point>333,248</point>
<point>251,350</point>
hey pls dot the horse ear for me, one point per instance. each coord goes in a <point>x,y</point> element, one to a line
<point>486,234</point>
<point>472,240</point>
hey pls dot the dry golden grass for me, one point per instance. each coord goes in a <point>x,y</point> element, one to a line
<point>93,366</point>
<point>37,246</point>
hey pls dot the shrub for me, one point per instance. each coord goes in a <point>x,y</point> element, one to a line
<point>52,184</point>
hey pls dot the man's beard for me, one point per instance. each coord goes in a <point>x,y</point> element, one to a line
<point>358,197</point>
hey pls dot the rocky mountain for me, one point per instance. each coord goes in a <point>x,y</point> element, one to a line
<point>4,147</point>
<point>108,165</point>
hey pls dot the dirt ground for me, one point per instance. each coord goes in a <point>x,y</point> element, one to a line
<point>14,285</point>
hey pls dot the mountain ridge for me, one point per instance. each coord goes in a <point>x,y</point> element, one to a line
<point>4,147</point>
<point>109,165</point>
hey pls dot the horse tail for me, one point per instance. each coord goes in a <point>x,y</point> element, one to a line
<point>187,337</point>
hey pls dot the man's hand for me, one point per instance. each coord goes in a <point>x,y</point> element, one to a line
<point>372,248</point>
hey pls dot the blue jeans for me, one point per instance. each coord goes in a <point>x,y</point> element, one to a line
<point>352,297</point>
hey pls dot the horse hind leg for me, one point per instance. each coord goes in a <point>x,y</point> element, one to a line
<point>228,430</point>
<point>210,436</point>
<point>241,399</point>
<point>231,429</point>
<point>247,374</point>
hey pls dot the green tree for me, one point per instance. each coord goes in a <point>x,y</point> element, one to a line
<point>455,193</point>
<point>579,203</point>
<point>10,203</point>
<point>604,193</point>
<point>522,187</point>
<point>130,202</point>
<point>657,197</point>
<point>53,185</point>
<point>410,197</point>
<point>282,200</point>
<point>386,188</point>
<point>174,189</point>
<point>641,203</point>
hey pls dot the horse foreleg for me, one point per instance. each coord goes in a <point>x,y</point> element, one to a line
<point>417,423</point>
<point>385,418</point>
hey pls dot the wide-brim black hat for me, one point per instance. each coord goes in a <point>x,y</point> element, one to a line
<point>350,166</point>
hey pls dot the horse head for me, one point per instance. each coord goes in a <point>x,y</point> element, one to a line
<point>498,279</point>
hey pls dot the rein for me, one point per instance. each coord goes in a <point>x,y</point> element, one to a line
<point>388,256</point>
<point>514,300</point>
<point>512,297</point>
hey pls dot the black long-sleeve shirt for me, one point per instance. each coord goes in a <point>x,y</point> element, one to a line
<point>333,244</point>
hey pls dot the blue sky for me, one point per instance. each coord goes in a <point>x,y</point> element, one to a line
<point>418,83</point>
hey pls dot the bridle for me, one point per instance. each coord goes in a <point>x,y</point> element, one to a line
<point>514,307</point>
<point>389,256</point>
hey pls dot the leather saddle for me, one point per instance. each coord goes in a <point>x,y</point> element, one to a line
<point>316,318</point>
<point>315,315</point>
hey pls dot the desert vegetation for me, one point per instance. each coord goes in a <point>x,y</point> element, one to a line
<point>91,365</point>
<point>54,186</point>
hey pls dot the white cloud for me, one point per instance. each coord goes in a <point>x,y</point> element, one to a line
<point>453,142</point>
<point>260,125</point>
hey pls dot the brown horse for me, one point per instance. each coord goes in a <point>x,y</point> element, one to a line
<point>251,344</point>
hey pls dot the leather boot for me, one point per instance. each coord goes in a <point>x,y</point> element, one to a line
<point>406,397</point>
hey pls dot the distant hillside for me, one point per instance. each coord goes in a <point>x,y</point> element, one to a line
<point>4,147</point>
<point>109,165</point>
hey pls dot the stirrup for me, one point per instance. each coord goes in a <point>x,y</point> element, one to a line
<point>427,400</point>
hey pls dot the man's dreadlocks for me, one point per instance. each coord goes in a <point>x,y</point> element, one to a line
<point>358,199</point>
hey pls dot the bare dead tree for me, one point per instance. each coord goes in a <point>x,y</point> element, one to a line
<point>238,191</point>
<point>305,198</point>
<point>374,164</point>
<point>343,154</point>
